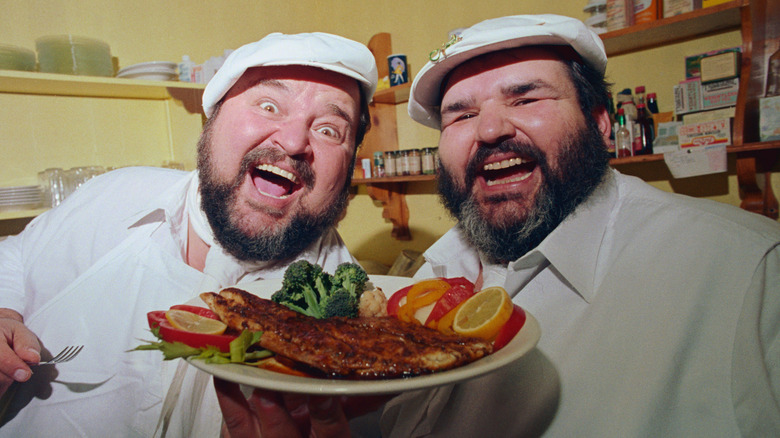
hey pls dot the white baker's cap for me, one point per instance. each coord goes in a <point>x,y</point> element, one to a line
<point>493,35</point>
<point>317,49</point>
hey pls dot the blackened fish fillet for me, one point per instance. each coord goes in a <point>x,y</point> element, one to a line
<point>363,348</point>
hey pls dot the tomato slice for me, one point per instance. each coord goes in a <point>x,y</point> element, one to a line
<point>168,333</point>
<point>394,302</point>
<point>454,296</point>
<point>510,328</point>
<point>202,311</point>
<point>460,281</point>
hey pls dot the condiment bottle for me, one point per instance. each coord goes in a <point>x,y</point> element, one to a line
<point>622,137</point>
<point>644,132</point>
<point>773,75</point>
<point>652,103</point>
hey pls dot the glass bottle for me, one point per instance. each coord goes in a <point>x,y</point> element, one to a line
<point>626,103</point>
<point>645,131</point>
<point>612,121</point>
<point>389,163</point>
<point>415,162</point>
<point>379,165</point>
<point>640,94</point>
<point>652,103</point>
<point>773,75</point>
<point>428,162</point>
<point>622,137</point>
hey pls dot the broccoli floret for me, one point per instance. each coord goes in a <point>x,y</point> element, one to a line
<point>340,303</point>
<point>298,275</point>
<point>308,289</point>
<point>351,277</point>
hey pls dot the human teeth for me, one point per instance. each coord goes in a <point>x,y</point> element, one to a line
<point>508,180</point>
<point>277,171</point>
<point>504,164</point>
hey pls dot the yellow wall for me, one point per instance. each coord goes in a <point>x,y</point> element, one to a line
<point>76,131</point>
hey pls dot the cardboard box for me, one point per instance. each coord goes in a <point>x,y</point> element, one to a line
<point>719,67</point>
<point>707,116</point>
<point>716,132</point>
<point>667,139</point>
<point>693,62</point>
<point>708,3</point>
<point>687,96</point>
<point>769,118</point>
<point>719,94</point>
<point>677,7</point>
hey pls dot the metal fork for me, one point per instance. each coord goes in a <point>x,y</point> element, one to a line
<point>65,355</point>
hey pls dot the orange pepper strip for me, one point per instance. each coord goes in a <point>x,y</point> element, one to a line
<point>420,295</point>
<point>445,322</point>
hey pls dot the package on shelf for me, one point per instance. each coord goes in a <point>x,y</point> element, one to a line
<point>677,7</point>
<point>720,66</point>
<point>620,14</point>
<point>687,96</point>
<point>708,116</point>
<point>693,62</point>
<point>719,94</point>
<point>645,11</point>
<point>709,3</point>
<point>201,73</point>
<point>667,140</point>
<point>714,132</point>
<point>769,118</point>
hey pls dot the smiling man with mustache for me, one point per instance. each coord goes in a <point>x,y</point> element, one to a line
<point>658,312</point>
<point>285,117</point>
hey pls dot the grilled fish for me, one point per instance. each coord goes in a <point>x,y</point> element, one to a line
<point>360,348</point>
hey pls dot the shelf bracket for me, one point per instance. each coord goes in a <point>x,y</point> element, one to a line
<point>755,198</point>
<point>391,195</point>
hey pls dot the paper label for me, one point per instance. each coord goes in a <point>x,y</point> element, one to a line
<point>697,161</point>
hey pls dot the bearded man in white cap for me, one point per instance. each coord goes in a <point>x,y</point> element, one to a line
<point>659,313</point>
<point>275,159</point>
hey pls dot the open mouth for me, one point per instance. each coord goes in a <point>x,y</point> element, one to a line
<point>507,171</point>
<point>273,181</point>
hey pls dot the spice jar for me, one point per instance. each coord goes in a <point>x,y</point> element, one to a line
<point>415,162</point>
<point>390,163</point>
<point>379,165</point>
<point>428,162</point>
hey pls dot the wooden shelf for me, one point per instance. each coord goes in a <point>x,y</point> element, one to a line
<point>393,179</point>
<point>701,22</point>
<point>21,214</point>
<point>745,148</point>
<point>394,95</point>
<point>52,84</point>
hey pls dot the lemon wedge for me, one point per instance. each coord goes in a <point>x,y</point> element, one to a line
<point>192,322</point>
<point>483,315</point>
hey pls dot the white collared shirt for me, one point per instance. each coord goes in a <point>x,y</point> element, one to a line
<point>87,272</point>
<point>659,316</point>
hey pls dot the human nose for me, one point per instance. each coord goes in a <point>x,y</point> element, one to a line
<point>493,125</point>
<point>293,137</point>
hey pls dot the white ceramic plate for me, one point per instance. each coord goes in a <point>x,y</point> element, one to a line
<point>524,341</point>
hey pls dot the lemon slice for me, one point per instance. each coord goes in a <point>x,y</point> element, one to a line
<point>483,315</point>
<point>192,322</point>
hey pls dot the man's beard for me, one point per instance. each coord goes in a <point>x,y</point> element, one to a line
<point>582,163</point>
<point>278,242</point>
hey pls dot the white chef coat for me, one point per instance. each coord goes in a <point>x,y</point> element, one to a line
<point>659,314</point>
<point>87,272</point>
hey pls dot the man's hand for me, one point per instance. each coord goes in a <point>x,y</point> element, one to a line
<point>272,414</point>
<point>18,346</point>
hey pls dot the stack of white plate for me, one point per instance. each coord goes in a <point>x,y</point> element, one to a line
<point>155,71</point>
<point>20,198</point>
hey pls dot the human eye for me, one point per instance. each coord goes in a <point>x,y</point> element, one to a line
<point>269,107</point>
<point>330,132</point>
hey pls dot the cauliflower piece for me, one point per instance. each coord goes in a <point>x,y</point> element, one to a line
<point>373,303</point>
